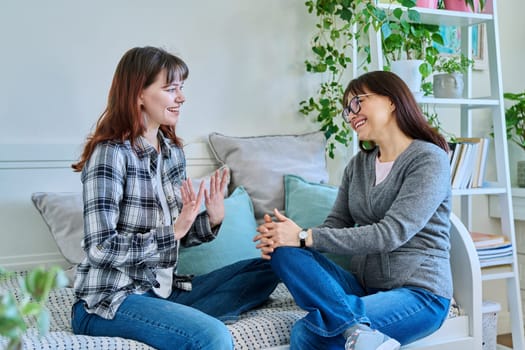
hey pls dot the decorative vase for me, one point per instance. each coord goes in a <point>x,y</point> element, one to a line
<point>488,7</point>
<point>521,173</point>
<point>408,70</point>
<point>448,85</point>
<point>460,5</point>
<point>431,4</point>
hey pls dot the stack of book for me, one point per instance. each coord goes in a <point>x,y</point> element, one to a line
<point>492,249</point>
<point>468,159</point>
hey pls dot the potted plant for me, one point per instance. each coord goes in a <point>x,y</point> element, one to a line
<point>408,45</point>
<point>341,24</point>
<point>515,122</point>
<point>36,287</point>
<point>449,83</point>
<point>465,5</point>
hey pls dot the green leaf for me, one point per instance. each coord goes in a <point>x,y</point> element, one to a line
<point>414,16</point>
<point>43,321</point>
<point>32,308</point>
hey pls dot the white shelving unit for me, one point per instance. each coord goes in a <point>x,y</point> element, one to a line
<point>501,188</point>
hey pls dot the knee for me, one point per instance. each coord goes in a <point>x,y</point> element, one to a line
<point>211,335</point>
<point>214,335</point>
<point>281,255</point>
<point>299,337</point>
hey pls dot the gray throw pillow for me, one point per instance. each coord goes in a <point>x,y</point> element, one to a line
<point>258,163</point>
<point>62,213</point>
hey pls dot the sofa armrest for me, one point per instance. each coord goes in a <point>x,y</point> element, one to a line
<point>466,274</point>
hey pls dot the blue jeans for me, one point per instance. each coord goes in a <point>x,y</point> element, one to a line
<point>186,320</point>
<point>335,301</point>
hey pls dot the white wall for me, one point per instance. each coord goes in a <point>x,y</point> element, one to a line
<point>245,58</point>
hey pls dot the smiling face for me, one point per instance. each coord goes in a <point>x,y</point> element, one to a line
<point>374,118</point>
<point>161,102</point>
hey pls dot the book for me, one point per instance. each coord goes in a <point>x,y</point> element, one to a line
<point>463,167</point>
<point>454,157</point>
<point>487,239</point>
<point>483,162</point>
<point>496,261</point>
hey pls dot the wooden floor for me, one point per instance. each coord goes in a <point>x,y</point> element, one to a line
<point>505,339</point>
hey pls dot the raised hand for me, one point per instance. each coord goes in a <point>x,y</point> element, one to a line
<point>191,203</point>
<point>214,198</point>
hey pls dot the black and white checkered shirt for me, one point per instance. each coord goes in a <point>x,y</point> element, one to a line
<point>125,237</point>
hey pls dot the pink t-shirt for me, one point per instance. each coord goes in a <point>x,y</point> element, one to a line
<point>382,170</point>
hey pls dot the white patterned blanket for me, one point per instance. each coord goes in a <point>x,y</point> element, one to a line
<point>262,328</point>
<point>266,327</point>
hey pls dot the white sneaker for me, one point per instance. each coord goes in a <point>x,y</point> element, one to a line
<point>365,338</point>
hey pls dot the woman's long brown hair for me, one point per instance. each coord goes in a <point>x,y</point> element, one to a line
<point>122,119</point>
<point>409,117</point>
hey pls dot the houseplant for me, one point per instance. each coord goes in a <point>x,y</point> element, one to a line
<point>343,23</point>
<point>36,286</point>
<point>405,39</point>
<point>340,23</point>
<point>449,82</point>
<point>515,122</point>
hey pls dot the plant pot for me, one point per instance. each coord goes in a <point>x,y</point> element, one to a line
<point>460,5</point>
<point>408,70</point>
<point>448,85</point>
<point>488,7</point>
<point>431,4</point>
<point>521,173</point>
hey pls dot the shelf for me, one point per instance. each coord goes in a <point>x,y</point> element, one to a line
<point>490,189</point>
<point>497,272</point>
<point>518,204</point>
<point>445,17</point>
<point>451,102</point>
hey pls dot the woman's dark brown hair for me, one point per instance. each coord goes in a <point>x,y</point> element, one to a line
<point>122,119</point>
<point>409,117</point>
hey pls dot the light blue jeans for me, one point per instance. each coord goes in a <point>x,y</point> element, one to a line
<point>186,320</point>
<point>335,301</point>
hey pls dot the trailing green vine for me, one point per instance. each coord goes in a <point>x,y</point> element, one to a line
<point>332,55</point>
<point>340,25</point>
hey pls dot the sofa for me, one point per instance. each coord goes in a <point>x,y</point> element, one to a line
<point>288,172</point>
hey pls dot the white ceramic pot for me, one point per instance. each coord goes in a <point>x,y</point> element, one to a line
<point>448,85</point>
<point>432,4</point>
<point>408,70</point>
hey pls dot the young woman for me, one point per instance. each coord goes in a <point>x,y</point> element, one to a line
<point>391,217</point>
<point>139,207</point>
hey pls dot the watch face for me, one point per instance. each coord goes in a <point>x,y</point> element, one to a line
<point>303,235</point>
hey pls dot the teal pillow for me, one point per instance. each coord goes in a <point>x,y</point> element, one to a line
<point>233,243</point>
<point>308,204</point>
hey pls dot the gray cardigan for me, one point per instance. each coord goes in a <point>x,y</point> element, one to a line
<point>397,232</point>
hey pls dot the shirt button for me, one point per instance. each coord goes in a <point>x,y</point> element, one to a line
<point>170,198</point>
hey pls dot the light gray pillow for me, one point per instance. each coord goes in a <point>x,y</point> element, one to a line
<point>62,213</point>
<point>258,163</point>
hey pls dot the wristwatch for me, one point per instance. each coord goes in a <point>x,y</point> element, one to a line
<point>303,235</point>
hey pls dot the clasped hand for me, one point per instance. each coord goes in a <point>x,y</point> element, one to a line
<point>191,202</point>
<point>274,234</point>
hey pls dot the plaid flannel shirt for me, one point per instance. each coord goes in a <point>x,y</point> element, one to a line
<point>125,238</point>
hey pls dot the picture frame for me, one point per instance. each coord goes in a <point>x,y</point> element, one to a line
<point>479,47</point>
<point>452,44</point>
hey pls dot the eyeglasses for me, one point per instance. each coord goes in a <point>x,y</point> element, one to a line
<point>353,107</point>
